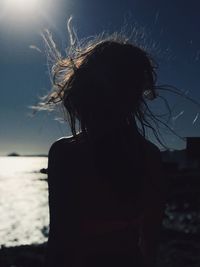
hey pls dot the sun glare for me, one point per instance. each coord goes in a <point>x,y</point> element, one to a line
<point>23,6</point>
<point>26,14</point>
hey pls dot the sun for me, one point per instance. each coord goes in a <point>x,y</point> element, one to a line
<point>28,15</point>
<point>22,14</point>
<point>23,7</point>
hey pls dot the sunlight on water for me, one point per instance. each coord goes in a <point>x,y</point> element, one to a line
<point>23,200</point>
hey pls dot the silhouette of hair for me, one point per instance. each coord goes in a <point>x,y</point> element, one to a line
<point>105,79</point>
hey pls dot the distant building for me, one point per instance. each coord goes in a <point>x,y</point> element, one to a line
<point>193,148</point>
<point>184,159</point>
<point>193,151</point>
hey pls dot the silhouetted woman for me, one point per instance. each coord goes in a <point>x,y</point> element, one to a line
<point>105,182</point>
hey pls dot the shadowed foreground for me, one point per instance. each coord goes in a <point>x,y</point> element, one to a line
<point>175,250</point>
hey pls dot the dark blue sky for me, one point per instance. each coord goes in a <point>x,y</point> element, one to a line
<point>171,30</point>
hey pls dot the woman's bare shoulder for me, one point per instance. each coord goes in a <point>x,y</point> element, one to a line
<point>152,152</point>
<point>152,147</point>
<point>61,146</point>
<point>62,155</point>
<point>67,149</point>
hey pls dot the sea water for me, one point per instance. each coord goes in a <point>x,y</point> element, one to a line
<point>24,215</point>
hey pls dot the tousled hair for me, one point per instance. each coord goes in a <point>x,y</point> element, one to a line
<point>105,78</point>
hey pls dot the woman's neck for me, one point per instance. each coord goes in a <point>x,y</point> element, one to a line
<point>103,130</point>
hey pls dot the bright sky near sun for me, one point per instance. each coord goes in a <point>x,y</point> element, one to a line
<point>15,10</point>
<point>171,32</point>
<point>27,14</point>
<point>23,7</point>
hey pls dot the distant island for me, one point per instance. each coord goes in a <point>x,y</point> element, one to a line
<point>13,154</point>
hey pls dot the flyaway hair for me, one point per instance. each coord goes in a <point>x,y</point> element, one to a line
<point>104,77</point>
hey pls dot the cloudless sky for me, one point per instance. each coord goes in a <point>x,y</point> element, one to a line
<point>171,30</point>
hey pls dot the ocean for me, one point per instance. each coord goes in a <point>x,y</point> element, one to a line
<point>24,211</point>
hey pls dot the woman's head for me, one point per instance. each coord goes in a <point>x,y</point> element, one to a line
<point>104,83</point>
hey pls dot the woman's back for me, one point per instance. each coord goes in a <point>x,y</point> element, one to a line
<point>110,171</point>
<point>101,193</point>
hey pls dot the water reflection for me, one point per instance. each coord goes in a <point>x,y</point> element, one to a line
<point>23,200</point>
